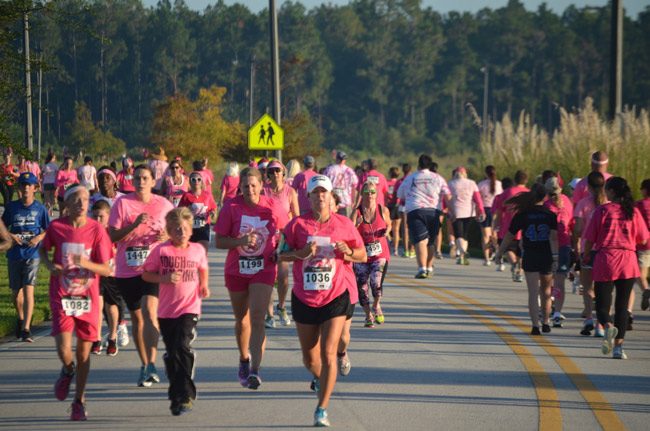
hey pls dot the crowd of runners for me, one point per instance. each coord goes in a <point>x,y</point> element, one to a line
<point>136,238</point>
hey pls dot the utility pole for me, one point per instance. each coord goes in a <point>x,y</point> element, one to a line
<point>40,105</point>
<point>251,93</point>
<point>29,137</point>
<point>616,65</point>
<point>484,120</point>
<point>275,66</point>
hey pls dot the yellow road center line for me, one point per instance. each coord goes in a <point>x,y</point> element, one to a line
<point>550,415</point>
<point>603,411</point>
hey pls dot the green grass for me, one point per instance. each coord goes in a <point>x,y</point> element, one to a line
<point>8,312</point>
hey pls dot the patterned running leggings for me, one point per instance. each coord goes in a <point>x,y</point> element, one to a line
<point>370,275</point>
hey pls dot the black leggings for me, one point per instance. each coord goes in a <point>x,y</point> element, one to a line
<point>179,357</point>
<point>604,303</point>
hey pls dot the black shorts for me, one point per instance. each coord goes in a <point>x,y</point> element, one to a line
<point>535,261</point>
<point>49,187</point>
<point>201,234</point>
<point>461,227</point>
<point>350,312</point>
<point>109,290</point>
<point>488,218</point>
<point>422,224</point>
<point>133,289</point>
<point>394,212</point>
<point>307,315</point>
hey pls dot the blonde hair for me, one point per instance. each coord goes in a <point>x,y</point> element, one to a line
<point>178,215</point>
<point>293,168</point>
<point>233,169</point>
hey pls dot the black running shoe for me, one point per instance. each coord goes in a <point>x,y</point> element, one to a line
<point>535,331</point>
<point>546,328</point>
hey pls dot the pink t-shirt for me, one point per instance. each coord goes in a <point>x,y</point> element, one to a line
<point>506,213</point>
<point>584,210</point>
<point>391,196</point>
<point>125,181</point>
<point>90,240</point>
<point>133,249</point>
<point>564,219</point>
<point>174,192</point>
<point>236,219</point>
<point>65,179</point>
<point>183,297</point>
<point>374,235</point>
<point>582,188</point>
<point>644,208</point>
<point>229,186</point>
<point>486,195</point>
<point>344,180</point>
<point>158,167</point>
<point>422,190</point>
<point>283,200</point>
<point>379,180</point>
<point>462,197</point>
<point>615,239</point>
<point>201,207</point>
<point>300,185</point>
<point>324,277</point>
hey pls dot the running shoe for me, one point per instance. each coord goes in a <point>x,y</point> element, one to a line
<point>587,327</point>
<point>608,342</point>
<point>487,263</point>
<point>175,408</point>
<point>152,374</point>
<point>143,380</point>
<point>535,331</point>
<point>422,273</point>
<point>645,300</point>
<point>62,385</point>
<point>370,323</point>
<point>557,322</point>
<point>459,260</point>
<point>19,331</point>
<point>269,322</point>
<point>546,328</point>
<point>630,321</point>
<point>600,332</point>
<point>320,418</point>
<point>96,349</point>
<point>254,381</point>
<point>344,364</point>
<point>186,406</point>
<point>77,411</point>
<point>379,319</point>
<point>122,334</point>
<point>26,337</point>
<point>452,250</point>
<point>501,267</point>
<point>315,385</point>
<point>244,371</point>
<point>439,255</point>
<point>111,348</point>
<point>619,353</point>
<point>284,316</point>
<point>465,260</point>
<point>519,278</point>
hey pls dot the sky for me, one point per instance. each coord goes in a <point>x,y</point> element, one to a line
<point>633,7</point>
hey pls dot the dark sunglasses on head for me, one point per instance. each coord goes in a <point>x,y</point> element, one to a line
<point>195,179</point>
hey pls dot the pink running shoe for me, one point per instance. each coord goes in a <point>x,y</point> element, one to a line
<point>62,385</point>
<point>78,411</point>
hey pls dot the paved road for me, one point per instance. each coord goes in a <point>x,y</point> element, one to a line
<point>454,354</point>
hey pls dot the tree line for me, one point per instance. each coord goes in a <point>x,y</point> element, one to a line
<point>386,76</point>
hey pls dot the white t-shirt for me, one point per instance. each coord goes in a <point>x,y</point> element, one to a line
<point>86,174</point>
<point>462,192</point>
<point>484,190</point>
<point>421,190</point>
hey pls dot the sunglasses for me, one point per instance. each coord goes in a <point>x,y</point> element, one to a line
<point>370,192</point>
<point>274,170</point>
<point>195,180</point>
<point>175,167</point>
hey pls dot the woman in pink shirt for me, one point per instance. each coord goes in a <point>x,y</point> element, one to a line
<point>125,176</point>
<point>229,184</point>
<point>489,189</point>
<point>323,245</point>
<point>614,231</point>
<point>203,208</point>
<point>643,251</point>
<point>175,184</point>
<point>582,213</point>
<point>465,204</point>
<point>560,205</point>
<point>286,198</point>
<point>247,227</point>
<point>65,177</point>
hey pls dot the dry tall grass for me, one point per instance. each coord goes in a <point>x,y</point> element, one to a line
<point>522,145</point>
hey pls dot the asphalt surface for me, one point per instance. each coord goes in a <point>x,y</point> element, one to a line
<point>454,354</point>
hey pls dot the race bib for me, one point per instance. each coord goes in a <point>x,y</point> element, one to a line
<point>199,223</point>
<point>25,236</point>
<point>175,201</point>
<point>76,305</point>
<point>135,256</point>
<point>249,265</point>
<point>318,277</point>
<point>373,179</point>
<point>373,249</point>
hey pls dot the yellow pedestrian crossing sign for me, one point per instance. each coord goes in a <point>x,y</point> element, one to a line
<point>266,134</point>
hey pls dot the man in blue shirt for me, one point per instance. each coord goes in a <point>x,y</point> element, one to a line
<point>26,219</point>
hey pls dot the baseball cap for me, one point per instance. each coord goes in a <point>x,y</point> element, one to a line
<point>27,178</point>
<point>319,181</point>
<point>340,155</point>
<point>309,160</point>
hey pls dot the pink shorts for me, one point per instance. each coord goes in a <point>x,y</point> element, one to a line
<point>85,329</point>
<point>237,283</point>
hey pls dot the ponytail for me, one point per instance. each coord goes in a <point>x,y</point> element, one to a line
<point>527,200</point>
<point>622,195</point>
<point>596,182</point>
<point>491,173</point>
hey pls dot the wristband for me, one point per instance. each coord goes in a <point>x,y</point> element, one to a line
<point>351,253</point>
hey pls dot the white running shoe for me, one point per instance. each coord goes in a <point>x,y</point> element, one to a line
<point>501,267</point>
<point>122,335</point>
